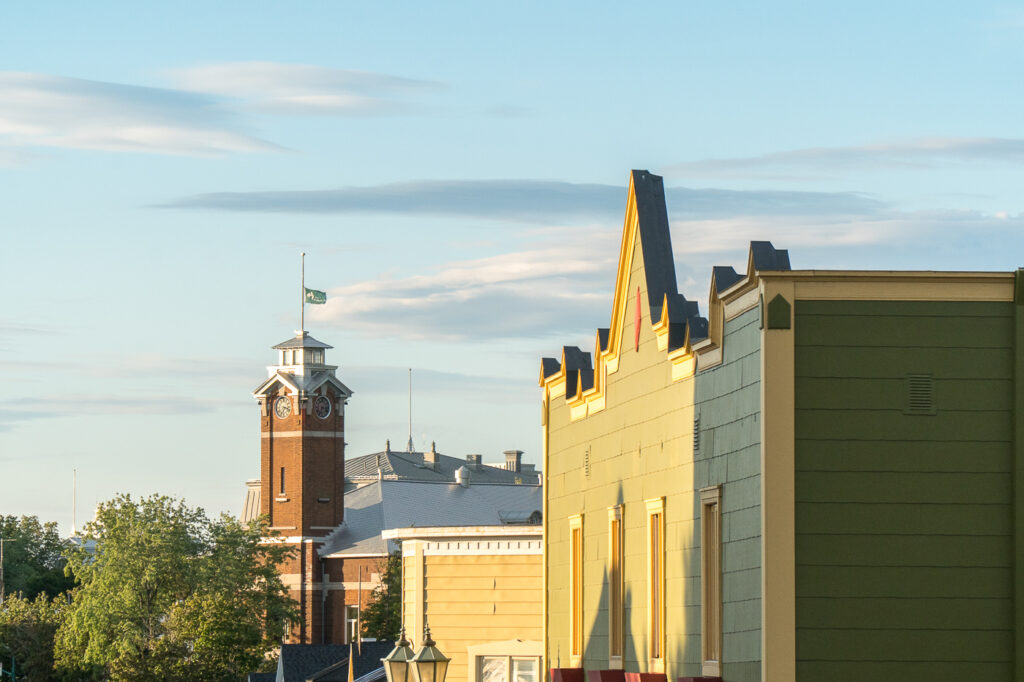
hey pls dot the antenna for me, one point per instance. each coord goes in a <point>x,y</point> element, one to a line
<point>74,502</point>
<point>410,447</point>
<point>302,296</point>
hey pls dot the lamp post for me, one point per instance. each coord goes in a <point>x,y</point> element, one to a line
<point>396,664</point>
<point>429,664</point>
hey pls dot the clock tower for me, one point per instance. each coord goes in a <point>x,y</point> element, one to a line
<point>302,464</point>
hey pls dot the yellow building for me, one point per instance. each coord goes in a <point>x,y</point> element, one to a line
<point>479,588</point>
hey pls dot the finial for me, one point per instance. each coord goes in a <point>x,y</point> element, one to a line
<point>427,639</point>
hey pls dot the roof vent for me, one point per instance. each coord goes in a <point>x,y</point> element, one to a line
<point>462,476</point>
<point>920,394</point>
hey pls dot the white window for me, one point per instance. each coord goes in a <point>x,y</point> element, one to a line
<point>513,660</point>
<point>508,669</point>
<point>351,622</point>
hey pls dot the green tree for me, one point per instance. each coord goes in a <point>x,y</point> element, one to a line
<point>32,562</point>
<point>169,594</point>
<point>27,629</point>
<point>382,617</point>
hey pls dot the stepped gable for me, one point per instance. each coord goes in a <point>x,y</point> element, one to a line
<point>579,373</point>
<point>723,277</point>
<point>670,311</point>
<point>765,257</point>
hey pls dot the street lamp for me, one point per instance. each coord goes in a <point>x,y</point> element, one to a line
<point>429,664</point>
<point>396,664</point>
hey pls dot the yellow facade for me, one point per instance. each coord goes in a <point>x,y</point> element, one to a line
<point>480,591</point>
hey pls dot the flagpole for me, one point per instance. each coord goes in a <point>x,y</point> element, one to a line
<point>302,297</point>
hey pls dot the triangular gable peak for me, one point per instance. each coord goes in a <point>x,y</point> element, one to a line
<point>675,321</point>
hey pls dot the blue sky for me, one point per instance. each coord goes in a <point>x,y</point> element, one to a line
<point>457,176</point>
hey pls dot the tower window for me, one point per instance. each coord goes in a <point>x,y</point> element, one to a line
<point>282,480</point>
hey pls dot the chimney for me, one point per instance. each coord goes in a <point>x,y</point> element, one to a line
<point>514,460</point>
<point>473,462</point>
<point>430,458</point>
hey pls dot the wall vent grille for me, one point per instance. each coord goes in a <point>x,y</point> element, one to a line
<point>920,394</point>
<point>696,434</point>
<point>586,462</point>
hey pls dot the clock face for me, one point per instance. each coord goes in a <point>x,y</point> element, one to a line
<point>282,407</point>
<point>322,406</point>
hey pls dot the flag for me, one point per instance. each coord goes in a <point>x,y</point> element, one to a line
<point>314,296</point>
<point>351,667</point>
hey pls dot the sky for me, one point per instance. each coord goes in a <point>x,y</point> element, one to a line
<point>457,175</point>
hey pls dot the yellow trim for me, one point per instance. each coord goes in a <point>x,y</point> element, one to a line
<point>710,497</point>
<point>615,515</point>
<point>576,658</point>
<point>778,549</point>
<point>656,664</point>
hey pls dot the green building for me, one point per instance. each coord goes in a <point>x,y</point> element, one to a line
<point>817,481</point>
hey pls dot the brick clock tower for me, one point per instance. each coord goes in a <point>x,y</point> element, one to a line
<point>302,465</point>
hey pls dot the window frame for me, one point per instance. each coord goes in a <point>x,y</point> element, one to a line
<point>576,564</point>
<point>349,634</point>
<point>656,584</point>
<point>616,588</point>
<point>509,650</point>
<point>711,590</point>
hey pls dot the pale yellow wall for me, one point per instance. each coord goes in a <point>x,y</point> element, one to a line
<point>471,600</point>
<point>641,447</point>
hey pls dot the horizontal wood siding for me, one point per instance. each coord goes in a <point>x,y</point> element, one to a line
<point>903,521</point>
<point>476,599</point>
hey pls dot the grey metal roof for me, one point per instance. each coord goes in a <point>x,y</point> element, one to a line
<point>383,505</point>
<point>303,340</point>
<point>408,466</point>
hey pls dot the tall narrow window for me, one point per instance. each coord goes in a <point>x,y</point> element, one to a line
<point>656,583</point>
<point>351,622</point>
<point>711,579</point>
<point>615,606</point>
<point>282,480</point>
<point>576,588</point>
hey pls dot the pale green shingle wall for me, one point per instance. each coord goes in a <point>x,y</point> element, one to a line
<point>641,447</point>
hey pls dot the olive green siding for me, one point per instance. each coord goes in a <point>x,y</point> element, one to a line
<point>904,521</point>
<point>639,447</point>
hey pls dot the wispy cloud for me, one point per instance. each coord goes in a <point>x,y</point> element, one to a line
<point>38,110</point>
<point>562,288</point>
<point>532,293</point>
<point>919,154</point>
<point>538,201</point>
<point>302,89</point>
<point>15,412</point>
<point>207,114</point>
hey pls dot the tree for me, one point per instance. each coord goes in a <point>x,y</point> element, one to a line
<point>382,617</point>
<point>170,594</point>
<point>27,629</point>
<point>32,562</point>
